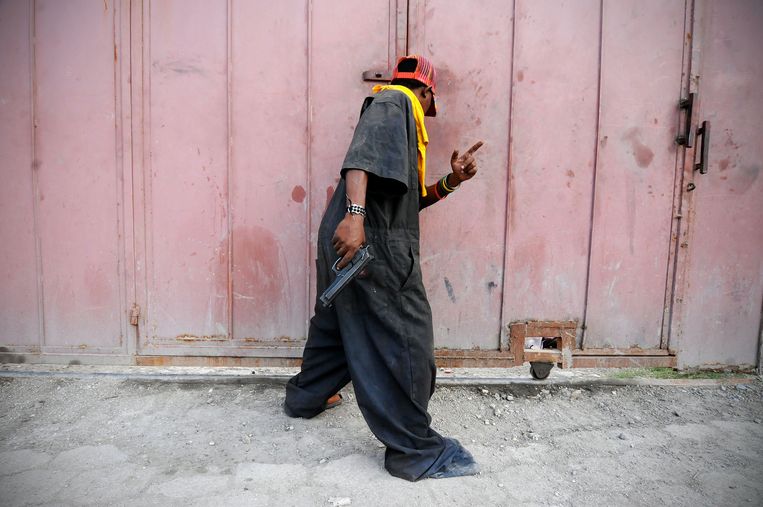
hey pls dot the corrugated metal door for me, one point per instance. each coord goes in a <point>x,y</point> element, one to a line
<point>579,101</point>
<point>64,203</point>
<point>636,159</point>
<point>246,108</point>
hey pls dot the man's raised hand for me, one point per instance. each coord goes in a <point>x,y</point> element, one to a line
<point>464,167</point>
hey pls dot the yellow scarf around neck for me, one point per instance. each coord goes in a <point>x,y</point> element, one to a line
<point>421,131</point>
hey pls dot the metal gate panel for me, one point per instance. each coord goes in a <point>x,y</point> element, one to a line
<point>186,178</point>
<point>462,245</point>
<point>641,62</point>
<point>19,315</point>
<point>553,138</point>
<point>268,170</point>
<point>719,316</point>
<point>79,175</point>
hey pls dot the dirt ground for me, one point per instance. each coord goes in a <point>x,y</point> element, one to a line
<point>109,441</point>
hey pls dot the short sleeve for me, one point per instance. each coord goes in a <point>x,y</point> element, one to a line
<point>380,147</point>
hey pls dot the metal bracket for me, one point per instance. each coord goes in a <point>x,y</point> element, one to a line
<point>134,314</point>
<point>377,75</point>
<point>686,139</point>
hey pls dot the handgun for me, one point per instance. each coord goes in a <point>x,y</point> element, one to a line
<point>346,274</point>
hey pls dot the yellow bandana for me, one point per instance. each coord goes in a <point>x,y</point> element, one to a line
<point>421,131</point>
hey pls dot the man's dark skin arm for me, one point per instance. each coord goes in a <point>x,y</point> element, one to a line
<point>350,234</point>
<point>463,168</point>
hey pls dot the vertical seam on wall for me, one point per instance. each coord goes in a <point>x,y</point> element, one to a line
<point>308,164</point>
<point>503,336</point>
<point>148,231</point>
<point>35,172</point>
<point>584,324</point>
<point>407,28</point>
<point>131,74</point>
<point>119,168</point>
<point>675,221</point>
<point>229,165</point>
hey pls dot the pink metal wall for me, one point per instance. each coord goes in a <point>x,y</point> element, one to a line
<point>178,156</point>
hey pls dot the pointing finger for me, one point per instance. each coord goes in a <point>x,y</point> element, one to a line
<point>454,157</point>
<point>474,148</point>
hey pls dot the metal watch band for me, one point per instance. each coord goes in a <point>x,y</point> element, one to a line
<point>356,209</point>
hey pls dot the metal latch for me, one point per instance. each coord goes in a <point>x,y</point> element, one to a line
<point>377,75</point>
<point>134,314</point>
<point>686,138</point>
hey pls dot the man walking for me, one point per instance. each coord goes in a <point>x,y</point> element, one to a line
<point>378,334</point>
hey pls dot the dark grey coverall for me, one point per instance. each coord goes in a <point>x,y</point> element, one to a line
<point>379,331</point>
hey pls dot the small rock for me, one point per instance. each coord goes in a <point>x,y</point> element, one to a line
<point>336,501</point>
<point>500,484</point>
<point>380,445</point>
<point>289,428</point>
<point>322,461</point>
<point>577,393</point>
<point>509,398</point>
<point>756,421</point>
<point>675,413</point>
<point>492,405</point>
<point>723,388</point>
<point>545,391</point>
<point>497,412</point>
<point>614,392</point>
<point>622,436</point>
<point>741,387</point>
<point>211,443</point>
<point>448,370</point>
<point>487,421</point>
<point>485,391</point>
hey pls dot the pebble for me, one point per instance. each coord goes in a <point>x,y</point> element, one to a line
<point>485,391</point>
<point>500,484</point>
<point>741,387</point>
<point>322,461</point>
<point>336,501</point>
<point>509,398</point>
<point>622,436</point>
<point>289,428</point>
<point>756,421</point>
<point>211,443</point>
<point>675,413</point>
<point>487,421</point>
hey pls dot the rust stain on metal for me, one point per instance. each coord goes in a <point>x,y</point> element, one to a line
<point>203,338</point>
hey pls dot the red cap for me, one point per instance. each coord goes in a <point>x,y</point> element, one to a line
<point>419,68</point>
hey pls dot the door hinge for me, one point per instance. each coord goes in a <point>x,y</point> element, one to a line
<point>134,314</point>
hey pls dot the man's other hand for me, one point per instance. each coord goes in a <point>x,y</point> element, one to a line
<point>464,166</point>
<point>348,238</point>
